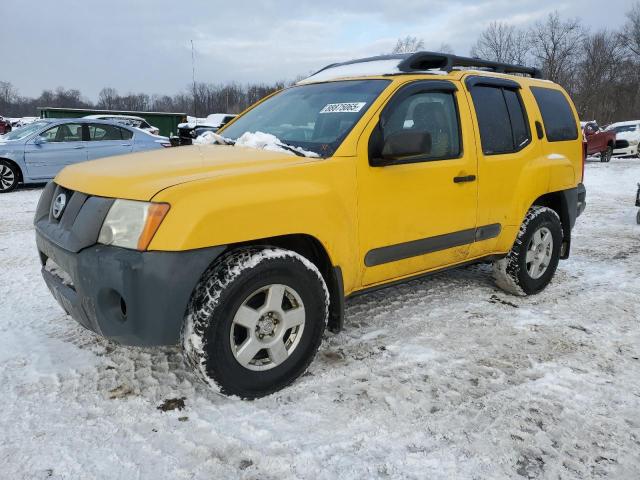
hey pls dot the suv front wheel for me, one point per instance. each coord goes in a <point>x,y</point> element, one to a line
<point>533,259</point>
<point>255,321</point>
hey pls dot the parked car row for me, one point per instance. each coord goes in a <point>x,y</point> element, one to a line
<point>627,138</point>
<point>36,152</point>
<point>619,139</point>
<point>130,120</point>
<point>599,141</point>
<point>188,131</point>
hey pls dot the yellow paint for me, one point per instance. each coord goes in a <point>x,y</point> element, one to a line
<point>221,195</point>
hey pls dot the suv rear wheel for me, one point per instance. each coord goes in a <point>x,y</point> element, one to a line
<point>533,259</point>
<point>255,321</point>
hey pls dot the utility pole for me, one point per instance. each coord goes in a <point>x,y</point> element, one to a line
<point>193,76</point>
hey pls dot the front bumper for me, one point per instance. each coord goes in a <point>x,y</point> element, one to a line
<point>131,297</point>
<point>631,150</point>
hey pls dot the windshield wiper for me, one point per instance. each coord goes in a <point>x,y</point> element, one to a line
<point>290,149</point>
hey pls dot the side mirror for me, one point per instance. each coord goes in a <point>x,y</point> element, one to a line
<point>40,140</point>
<point>400,145</point>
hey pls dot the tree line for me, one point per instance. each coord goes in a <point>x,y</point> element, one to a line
<point>600,69</point>
<point>199,99</point>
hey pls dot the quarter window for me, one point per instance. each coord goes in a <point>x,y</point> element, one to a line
<point>126,134</point>
<point>501,118</point>
<point>559,122</point>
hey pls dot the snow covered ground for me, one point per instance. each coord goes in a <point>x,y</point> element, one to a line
<point>445,377</point>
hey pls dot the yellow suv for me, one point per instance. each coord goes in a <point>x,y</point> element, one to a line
<point>365,174</point>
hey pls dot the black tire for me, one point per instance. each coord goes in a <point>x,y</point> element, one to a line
<point>638,217</point>
<point>9,176</point>
<point>208,338</point>
<point>606,155</point>
<point>512,272</point>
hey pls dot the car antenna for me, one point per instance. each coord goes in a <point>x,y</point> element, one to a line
<point>193,76</point>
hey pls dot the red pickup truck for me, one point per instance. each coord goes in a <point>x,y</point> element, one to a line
<point>599,140</point>
<point>5,126</point>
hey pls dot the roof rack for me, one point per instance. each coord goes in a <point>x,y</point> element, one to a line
<point>421,61</point>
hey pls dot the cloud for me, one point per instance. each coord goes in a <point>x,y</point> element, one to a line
<point>145,45</point>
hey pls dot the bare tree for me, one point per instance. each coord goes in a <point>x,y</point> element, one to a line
<point>446,48</point>
<point>8,93</point>
<point>597,90</point>
<point>630,34</point>
<point>408,44</point>
<point>556,45</point>
<point>502,42</point>
<point>107,99</point>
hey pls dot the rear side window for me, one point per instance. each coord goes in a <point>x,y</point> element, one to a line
<point>559,123</point>
<point>104,132</point>
<point>501,118</point>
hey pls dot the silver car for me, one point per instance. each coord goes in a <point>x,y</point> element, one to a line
<point>36,152</point>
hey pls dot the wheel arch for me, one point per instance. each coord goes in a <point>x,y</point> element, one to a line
<point>313,250</point>
<point>14,163</point>
<point>560,202</point>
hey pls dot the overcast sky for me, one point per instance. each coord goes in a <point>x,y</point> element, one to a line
<point>144,45</point>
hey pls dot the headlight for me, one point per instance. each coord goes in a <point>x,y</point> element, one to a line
<point>633,142</point>
<point>132,224</point>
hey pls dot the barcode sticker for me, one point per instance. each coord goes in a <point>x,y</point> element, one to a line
<point>353,107</point>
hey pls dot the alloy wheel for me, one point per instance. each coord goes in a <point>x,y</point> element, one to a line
<point>7,177</point>
<point>539,252</point>
<point>267,327</point>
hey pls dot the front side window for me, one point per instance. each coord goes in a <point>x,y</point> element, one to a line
<point>316,117</point>
<point>432,113</point>
<point>557,116</point>
<point>67,132</point>
<point>502,119</point>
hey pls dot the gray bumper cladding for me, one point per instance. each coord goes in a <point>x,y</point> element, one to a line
<point>131,297</point>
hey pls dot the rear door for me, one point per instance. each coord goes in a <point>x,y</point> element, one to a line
<point>505,150</point>
<point>60,146</point>
<point>106,140</point>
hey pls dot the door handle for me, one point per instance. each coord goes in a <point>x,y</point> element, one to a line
<point>78,147</point>
<point>468,178</point>
<point>125,145</point>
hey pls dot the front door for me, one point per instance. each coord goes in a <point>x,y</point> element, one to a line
<point>419,212</point>
<point>48,153</point>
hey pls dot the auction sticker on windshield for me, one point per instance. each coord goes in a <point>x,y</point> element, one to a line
<point>353,107</point>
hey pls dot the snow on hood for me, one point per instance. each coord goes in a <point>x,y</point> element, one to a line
<point>257,140</point>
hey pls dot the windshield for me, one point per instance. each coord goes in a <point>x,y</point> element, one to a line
<point>24,132</point>
<point>314,117</point>
<point>625,128</point>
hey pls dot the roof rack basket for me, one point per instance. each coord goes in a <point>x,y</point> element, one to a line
<point>421,61</point>
<point>443,61</point>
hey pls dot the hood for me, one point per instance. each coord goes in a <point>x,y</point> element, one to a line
<point>10,144</point>
<point>140,176</point>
